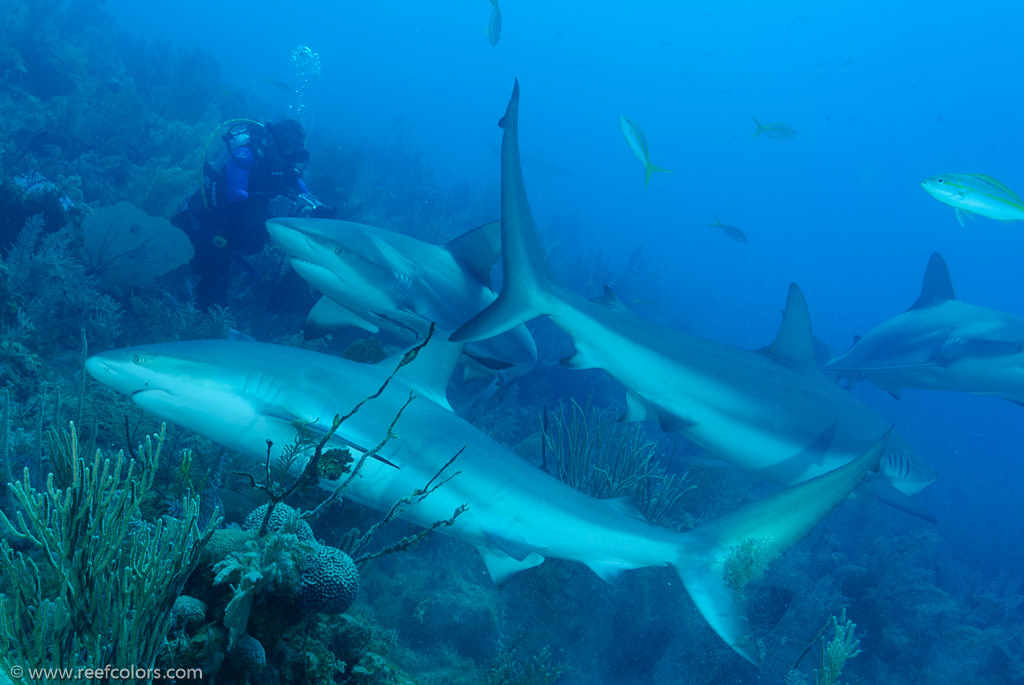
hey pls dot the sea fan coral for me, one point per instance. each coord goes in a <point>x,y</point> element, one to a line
<point>126,246</point>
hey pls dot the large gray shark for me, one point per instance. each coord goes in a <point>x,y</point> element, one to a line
<point>941,343</point>
<point>377,279</point>
<point>770,412</point>
<point>239,394</point>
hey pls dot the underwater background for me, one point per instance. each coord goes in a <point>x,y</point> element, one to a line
<point>108,102</point>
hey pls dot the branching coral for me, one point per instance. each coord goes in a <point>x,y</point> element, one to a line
<point>49,297</point>
<point>597,456</point>
<point>253,572</point>
<point>843,646</point>
<point>101,584</point>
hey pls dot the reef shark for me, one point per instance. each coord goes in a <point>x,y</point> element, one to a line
<point>376,279</point>
<point>941,343</point>
<point>240,394</point>
<point>771,412</point>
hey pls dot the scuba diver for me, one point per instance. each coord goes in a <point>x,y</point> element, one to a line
<point>262,179</point>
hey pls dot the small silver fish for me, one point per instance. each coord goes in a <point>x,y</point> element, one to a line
<point>637,142</point>
<point>731,231</point>
<point>494,24</point>
<point>777,130</point>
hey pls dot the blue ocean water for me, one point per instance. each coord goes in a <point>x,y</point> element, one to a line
<point>881,95</point>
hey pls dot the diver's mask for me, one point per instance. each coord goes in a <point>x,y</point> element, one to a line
<point>294,154</point>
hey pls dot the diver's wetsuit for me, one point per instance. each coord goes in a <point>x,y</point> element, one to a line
<point>233,225</point>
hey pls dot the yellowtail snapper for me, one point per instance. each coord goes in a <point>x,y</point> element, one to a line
<point>971,194</point>
<point>637,142</point>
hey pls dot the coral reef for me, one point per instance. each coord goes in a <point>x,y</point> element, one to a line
<point>330,581</point>
<point>98,583</point>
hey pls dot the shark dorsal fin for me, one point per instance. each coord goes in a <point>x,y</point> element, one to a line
<point>794,344</point>
<point>611,301</point>
<point>477,250</point>
<point>937,286</point>
<point>429,372</point>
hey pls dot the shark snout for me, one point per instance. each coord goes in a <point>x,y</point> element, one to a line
<point>115,373</point>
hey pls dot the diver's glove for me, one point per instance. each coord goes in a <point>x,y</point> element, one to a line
<point>280,205</point>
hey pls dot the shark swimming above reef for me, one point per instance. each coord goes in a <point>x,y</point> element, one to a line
<point>376,279</point>
<point>771,412</point>
<point>941,343</point>
<point>240,394</point>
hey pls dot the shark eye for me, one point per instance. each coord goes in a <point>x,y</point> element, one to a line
<point>137,359</point>
<point>339,251</point>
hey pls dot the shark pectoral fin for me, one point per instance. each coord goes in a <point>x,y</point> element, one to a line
<point>475,373</point>
<point>611,301</point>
<point>626,506</point>
<point>894,389</point>
<point>514,546</point>
<point>609,573</point>
<point>430,370</point>
<point>501,566</point>
<point>637,409</point>
<point>477,250</point>
<point>672,423</point>
<point>794,344</point>
<point>488,362</point>
<point>327,315</point>
<point>580,360</point>
<point>884,491</point>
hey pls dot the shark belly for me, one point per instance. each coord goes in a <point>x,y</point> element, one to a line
<point>514,507</point>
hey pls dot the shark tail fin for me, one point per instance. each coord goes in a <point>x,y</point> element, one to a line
<point>760,127</point>
<point>527,291</point>
<point>514,306</point>
<point>721,556</point>
<point>649,169</point>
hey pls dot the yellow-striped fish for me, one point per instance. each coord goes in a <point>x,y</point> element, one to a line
<point>637,142</point>
<point>971,194</point>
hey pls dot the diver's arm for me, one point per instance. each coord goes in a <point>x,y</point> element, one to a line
<point>236,175</point>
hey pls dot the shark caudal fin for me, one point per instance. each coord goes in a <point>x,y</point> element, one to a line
<point>721,556</point>
<point>526,288</point>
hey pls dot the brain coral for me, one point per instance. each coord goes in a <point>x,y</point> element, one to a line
<point>188,611</point>
<point>249,654</point>
<point>280,515</point>
<point>330,581</point>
